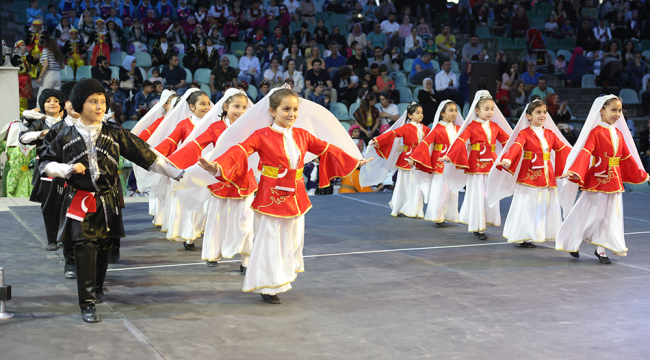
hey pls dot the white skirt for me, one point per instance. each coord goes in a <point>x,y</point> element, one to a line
<point>475,211</point>
<point>228,228</point>
<point>152,204</point>
<point>277,254</point>
<point>407,199</point>
<point>534,215</point>
<point>443,203</point>
<point>596,218</point>
<point>166,209</point>
<point>156,209</point>
<point>185,223</point>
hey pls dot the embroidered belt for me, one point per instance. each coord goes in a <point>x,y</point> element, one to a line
<point>273,172</point>
<point>437,147</point>
<point>614,161</point>
<point>477,147</point>
<point>528,155</point>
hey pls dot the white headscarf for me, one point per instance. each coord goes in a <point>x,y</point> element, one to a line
<point>502,184</point>
<point>453,179</point>
<point>126,63</point>
<point>570,190</point>
<point>312,117</point>
<point>154,114</point>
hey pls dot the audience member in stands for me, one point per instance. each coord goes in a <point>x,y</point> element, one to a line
<point>345,83</point>
<point>376,39</point>
<point>645,95</point>
<point>295,75</point>
<point>307,11</point>
<point>424,31</point>
<point>602,33</point>
<point>413,44</point>
<point>577,66</point>
<point>388,112</point>
<point>357,35</point>
<point>293,53</point>
<point>465,80</point>
<point>130,75</point>
<point>634,25</point>
<point>314,54</point>
<point>335,60</point>
<point>473,47</point>
<point>502,99</point>
<point>317,73</point>
<point>367,117</point>
<point>379,58</point>
<point>422,68</point>
<point>590,13</point>
<point>249,67</point>
<point>221,74</point>
<point>274,74</point>
<point>175,76</point>
<point>141,101</point>
<point>101,72</point>
<point>520,23</point>
<point>585,35</point>
<point>502,22</point>
<point>446,43</point>
<point>427,99</point>
<point>517,99</point>
<point>636,70</point>
<point>447,84</point>
<point>542,90</point>
<point>531,76</point>
<point>358,61</point>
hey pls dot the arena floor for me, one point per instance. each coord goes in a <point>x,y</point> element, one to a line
<point>375,287</point>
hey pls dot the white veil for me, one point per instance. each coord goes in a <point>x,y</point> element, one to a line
<point>152,115</point>
<point>424,179</point>
<point>501,184</point>
<point>211,117</point>
<point>311,117</point>
<point>374,172</point>
<point>570,190</point>
<point>453,178</point>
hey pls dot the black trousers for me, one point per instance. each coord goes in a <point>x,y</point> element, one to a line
<point>91,259</point>
<point>51,226</point>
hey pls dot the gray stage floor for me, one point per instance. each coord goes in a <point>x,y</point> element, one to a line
<point>375,287</point>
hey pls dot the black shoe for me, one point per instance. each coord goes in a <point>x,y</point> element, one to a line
<point>51,247</point>
<point>189,246</point>
<point>575,254</point>
<point>70,274</point>
<point>271,299</point>
<point>603,259</point>
<point>115,256</point>
<point>210,263</point>
<point>480,236</point>
<point>441,224</point>
<point>90,315</point>
<point>242,268</point>
<point>527,245</point>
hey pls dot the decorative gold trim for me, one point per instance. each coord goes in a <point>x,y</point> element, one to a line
<point>197,144</point>
<point>172,140</point>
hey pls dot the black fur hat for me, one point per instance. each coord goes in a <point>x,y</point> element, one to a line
<point>83,90</point>
<point>46,94</point>
<point>66,89</point>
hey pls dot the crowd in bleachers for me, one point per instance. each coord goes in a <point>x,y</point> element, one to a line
<point>353,57</point>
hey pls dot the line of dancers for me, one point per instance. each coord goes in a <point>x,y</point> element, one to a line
<point>237,171</point>
<point>532,163</point>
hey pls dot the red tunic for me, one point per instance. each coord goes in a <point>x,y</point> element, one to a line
<point>410,138</point>
<point>610,167</point>
<point>182,131</point>
<point>269,144</point>
<point>430,162</point>
<point>482,155</point>
<point>533,172</point>
<point>190,153</point>
<point>146,133</point>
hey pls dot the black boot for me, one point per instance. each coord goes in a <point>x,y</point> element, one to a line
<point>69,269</point>
<point>115,251</point>
<point>99,295</point>
<point>103,255</point>
<point>271,299</point>
<point>89,314</point>
<point>211,263</point>
<point>527,245</point>
<point>441,224</point>
<point>51,230</point>
<point>575,254</point>
<point>481,236</point>
<point>242,268</point>
<point>189,246</point>
<point>70,274</point>
<point>602,259</point>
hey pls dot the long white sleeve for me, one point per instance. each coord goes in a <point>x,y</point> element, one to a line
<point>55,169</point>
<point>163,167</point>
<point>31,136</point>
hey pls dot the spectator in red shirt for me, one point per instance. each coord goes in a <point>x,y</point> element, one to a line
<point>520,23</point>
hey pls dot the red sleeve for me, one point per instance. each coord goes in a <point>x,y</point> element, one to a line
<point>458,151</point>
<point>169,145</point>
<point>581,163</point>
<point>334,162</point>
<point>422,154</point>
<point>190,153</point>
<point>630,171</point>
<point>502,136</point>
<point>514,153</point>
<point>385,141</point>
<point>562,152</point>
<point>233,165</point>
<point>146,133</point>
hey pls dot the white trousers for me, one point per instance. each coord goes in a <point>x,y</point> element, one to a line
<point>228,229</point>
<point>407,197</point>
<point>534,215</point>
<point>443,203</point>
<point>51,80</point>
<point>475,211</point>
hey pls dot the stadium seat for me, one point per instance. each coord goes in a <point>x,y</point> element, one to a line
<point>346,126</point>
<point>353,108</point>
<point>180,58</point>
<point>340,111</point>
<point>295,27</point>
<point>465,110</point>
<point>20,8</point>
<point>117,58</point>
<point>234,62</point>
<point>569,44</point>
<point>531,14</point>
<point>553,56</point>
<point>143,73</point>
<point>402,108</point>
<point>129,125</point>
<point>252,91</point>
<point>188,78</point>
<point>417,91</point>
<point>483,32</point>
<point>588,81</point>
<point>144,59</point>
<point>436,64</point>
<point>567,55</point>
<point>505,43</point>
<point>454,66</point>
<point>408,64</point>
<point>400,79</point>
<point>520,44</point>
<point>340,20</point>
<point>645,44</point>
<point>542,14</point>
<point>629,96</point>
<point>242,35</point>
<point>206,89</point>
<point>115,72</point>
<point>405,94</point>
<point>538,24</point>
<point>83,72</point>
<point>272,25</point>
<point>646,54</point>
<point>202,75</point>
<point>237,48</point>
<point>322,15</point>
<point>67,74</point>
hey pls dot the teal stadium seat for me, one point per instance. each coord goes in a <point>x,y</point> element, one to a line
<point>83,72</point>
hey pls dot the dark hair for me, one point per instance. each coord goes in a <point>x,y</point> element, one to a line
<point>444,107</point>
<point>345,71</point>
<point>374,66</point>
<point>53,48</point>
<point>194,97</point>
<point>155,70</point>
<point>534,105</point>
<point>46,94</point>
<point>66,89</point>
<point>316,61</point>
<point>171,56</point>
<point>83,90</point>
<point>365,103</point>
<point>51,6</point>
<point>542,78</point>
<point>481,101</point>
<point>383,68</point>
<point>276,98</point>
<point>146,83</point>
<point>378,47</point>
<point>100,59</point>
<point>304,25</point>
<point>411,109</point>
<point>426,53</point>
<point>392,13</point>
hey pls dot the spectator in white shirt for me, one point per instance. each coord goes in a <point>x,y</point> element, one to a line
<point>602,33</point>
<point>390,28</point>
<point>447,84</point>
<point>292,7</point>
<point>249,67</point>
<point>388,112</point>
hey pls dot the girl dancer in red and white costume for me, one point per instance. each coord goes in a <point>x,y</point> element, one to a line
<point>530,171</point>
<point>603,158</point>
<point>281,200</point>
<point>144,129</point>
<point>394,146</point>
<point>487,131</point>
<point>229,220</point>
<point>427,160</point>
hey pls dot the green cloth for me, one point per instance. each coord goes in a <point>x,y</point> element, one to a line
<point>5,170</point>
<point>19,175</point>
<point>540,93</point>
